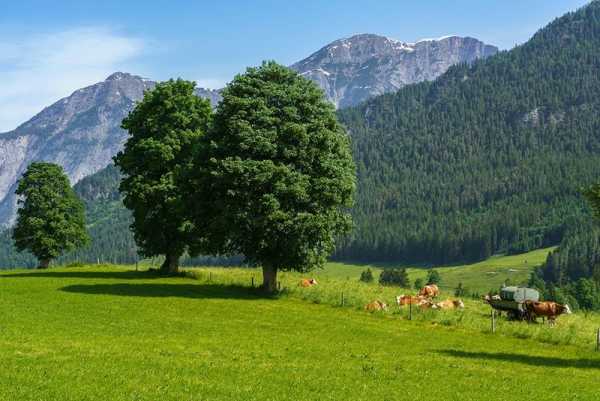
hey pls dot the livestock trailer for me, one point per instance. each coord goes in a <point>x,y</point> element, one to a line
<point>512,301</point>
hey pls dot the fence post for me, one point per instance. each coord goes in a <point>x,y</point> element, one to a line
<point>252,281</point>
<point>493,315</point>
<point>409,310</point>
<point>343,298</point>
<point>279,286</point>
<point>598,340</point>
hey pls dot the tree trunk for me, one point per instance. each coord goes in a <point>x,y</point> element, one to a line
<point>44,263</point>
<point>269,279</point>
<point>171,264</point>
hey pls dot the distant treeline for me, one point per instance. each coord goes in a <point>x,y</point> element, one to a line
<point>571,273</point>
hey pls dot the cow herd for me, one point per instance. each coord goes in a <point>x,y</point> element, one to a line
<point>425,299</point>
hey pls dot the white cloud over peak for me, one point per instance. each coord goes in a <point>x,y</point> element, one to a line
<point>37,70</point>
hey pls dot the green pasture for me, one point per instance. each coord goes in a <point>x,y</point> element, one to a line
<point>110,333</point>
<point>478,277</point>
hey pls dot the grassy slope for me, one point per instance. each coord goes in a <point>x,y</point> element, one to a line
<point>104,333</point>
<point>479,277</point>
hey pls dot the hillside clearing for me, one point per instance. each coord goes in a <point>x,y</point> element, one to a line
<point>106,333</point>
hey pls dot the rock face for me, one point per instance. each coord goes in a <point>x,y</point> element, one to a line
<point>354,69</point>
<point>81,133</point>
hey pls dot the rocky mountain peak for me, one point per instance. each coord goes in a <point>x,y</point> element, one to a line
<point>353,69</point>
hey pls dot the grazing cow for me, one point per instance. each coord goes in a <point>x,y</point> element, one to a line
<point>449,304</point>
<point>430,291</point>
<point>546,309</point>
<point>308,282</point>
<point>375,306</point>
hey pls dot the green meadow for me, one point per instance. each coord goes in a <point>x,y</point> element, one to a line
<point>111,333</point>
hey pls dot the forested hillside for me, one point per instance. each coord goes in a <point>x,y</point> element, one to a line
<point>489,157</point>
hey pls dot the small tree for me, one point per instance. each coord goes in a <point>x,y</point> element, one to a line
<point>274,179</point>
<point>366,276</point>
<point>163,129</point>
<point>51,217</point>
<point>418,284</point>
<point>460,291</point>
<point>433,277</point>
<point>397,277</point>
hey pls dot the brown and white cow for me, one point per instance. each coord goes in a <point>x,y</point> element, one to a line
<point>449,304</point>
<point>375,306</point>
<point>489,298</point>
<point>308,282</point>
<point>547,309</point>
<point>418,300</point>
<point>402,300</point>
<point>430,291</point>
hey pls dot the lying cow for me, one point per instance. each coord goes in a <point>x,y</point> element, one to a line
<point>547,309</point>
<point>489,298</point>
<point>308,282</point>
<point>449,304</point>
<point>430,291</point>
<point>375,306</point>
<point>402,300</point>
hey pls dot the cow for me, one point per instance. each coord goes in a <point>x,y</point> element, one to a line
<point>308,282</point>
<point>488,298</point>
<point>375,306</point>
<point>430,291</point>
<point>449,304</point>
<point>547,309</point>
<point>420,301</point>
<point>402,300</point>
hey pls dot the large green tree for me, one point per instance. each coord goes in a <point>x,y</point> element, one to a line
<point>51,217</point>
<point>275,176</point>
<point>163,129</point>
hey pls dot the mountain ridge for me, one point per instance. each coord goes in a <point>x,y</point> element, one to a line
<point>351,70</point>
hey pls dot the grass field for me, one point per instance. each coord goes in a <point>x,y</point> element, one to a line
<point>109,333</point>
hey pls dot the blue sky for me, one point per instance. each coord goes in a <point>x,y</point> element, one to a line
<point>50,48</point>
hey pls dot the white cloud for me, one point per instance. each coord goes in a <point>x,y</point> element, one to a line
<point>210,83</point>
<point>37,70</point>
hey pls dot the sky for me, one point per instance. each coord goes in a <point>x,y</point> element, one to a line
<point>50,48</point>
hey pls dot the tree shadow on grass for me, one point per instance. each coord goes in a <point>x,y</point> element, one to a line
<point>119,275</point>
<point>151,290</point>
<point>534,360</point>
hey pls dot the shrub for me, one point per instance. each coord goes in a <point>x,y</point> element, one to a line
<point>397,277</point>
<point>366,276</point>
<point>433,277</point>
<point>419,284</point>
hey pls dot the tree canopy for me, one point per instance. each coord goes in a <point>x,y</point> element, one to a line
<point>274,178</point>
<point>163,130</point>
<point>51,218</point>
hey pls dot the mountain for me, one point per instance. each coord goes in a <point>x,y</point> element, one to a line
<point>357,68</point>
<point>81,133</point>
<point>489,157</point>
